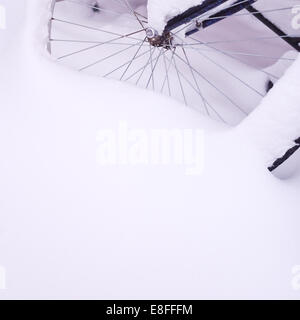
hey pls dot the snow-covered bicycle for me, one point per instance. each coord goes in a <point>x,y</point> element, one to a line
<point>218,56</point>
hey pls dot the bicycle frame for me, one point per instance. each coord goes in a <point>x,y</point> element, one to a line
<point>208,5</point>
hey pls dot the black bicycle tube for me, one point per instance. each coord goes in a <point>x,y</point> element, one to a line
<point>293,42</point>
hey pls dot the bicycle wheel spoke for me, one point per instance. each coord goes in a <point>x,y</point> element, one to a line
<point>137,13</point>
<point>179,79</point>
<point>237,40</point>
<point>195,80</point>
<point>125,64</point>
<point>124,6</point>
<point>228,72</point>
<point>99,8</point>
<point>93,46</point>
<point>137,71</point>
<point>254,55</point>
<point>134,56</point>
<point>166,79</point>
<point>103,59</point>
<point>97,29</point>
<point>140,69</point>
<point>151,63</point>
<point>237,58</point>
<point>214,86</point>
<point>95,42</point>
<point>152,71</point>
<point>127,4</point>
<point>208,104</point>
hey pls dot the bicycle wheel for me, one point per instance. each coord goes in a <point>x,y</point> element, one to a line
<point>193,54</point>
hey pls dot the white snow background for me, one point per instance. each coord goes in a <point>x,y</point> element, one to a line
<point>70,228</point>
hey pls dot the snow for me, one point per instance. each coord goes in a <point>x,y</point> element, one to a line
<point>275,124</point>
<point>242,79</point>
<point>160,12</point>
<point>73,229</point>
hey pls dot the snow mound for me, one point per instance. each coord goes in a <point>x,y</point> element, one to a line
<point>275,124</point>
<point>71,229</point>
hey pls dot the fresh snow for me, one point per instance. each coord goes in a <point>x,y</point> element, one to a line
<point>160,12</point>
<point>220,69</point>
<point>70,228</point>
<point>275,124</point>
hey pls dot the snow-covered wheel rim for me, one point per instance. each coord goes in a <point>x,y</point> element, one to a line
<point>199,59</point>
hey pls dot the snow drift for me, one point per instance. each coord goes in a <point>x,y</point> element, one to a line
<point>73,229</point>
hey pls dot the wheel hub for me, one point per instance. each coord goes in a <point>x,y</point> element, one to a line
<point>156,40</point>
